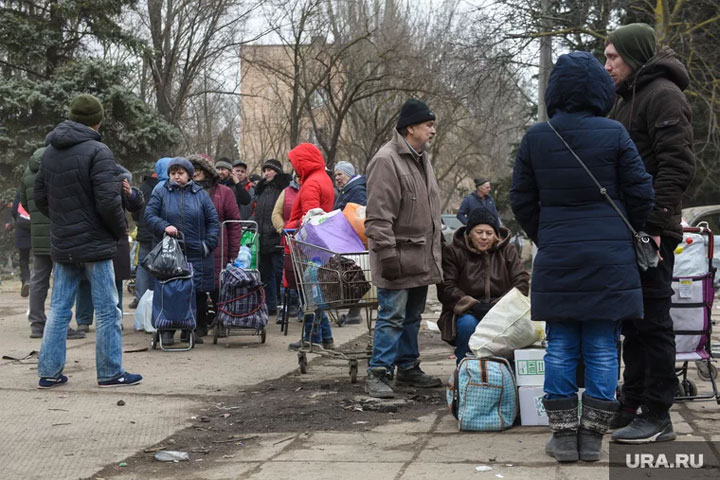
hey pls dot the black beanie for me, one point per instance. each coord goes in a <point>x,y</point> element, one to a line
<point>635,43</point>
<point>480,181</point>
<point>86,109</point>
<point>414,112</point>
<point>482,215</point>
<point>272,164</point>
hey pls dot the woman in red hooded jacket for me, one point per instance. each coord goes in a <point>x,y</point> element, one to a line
<point>316,191</point>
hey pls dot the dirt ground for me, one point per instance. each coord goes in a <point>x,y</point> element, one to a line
<point>293,403</point>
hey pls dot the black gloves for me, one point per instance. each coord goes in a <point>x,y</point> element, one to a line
<point>479,310</point>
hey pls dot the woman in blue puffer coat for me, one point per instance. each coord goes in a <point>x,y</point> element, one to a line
<point>182,205</point>
<point>585,278</point>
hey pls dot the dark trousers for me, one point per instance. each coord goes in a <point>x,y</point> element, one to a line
<point>271,275</point>
<point>649,347</point>
<point>24,265</point>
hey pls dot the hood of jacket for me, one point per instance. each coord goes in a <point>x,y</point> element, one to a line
<point>306,158</point>
<point>356,181</point>
<point>69,133</point>
<point>36,159</point>
<point>579,83</point>
<point>161,168</point>
<point>463,241</point>
<point>664,64</point>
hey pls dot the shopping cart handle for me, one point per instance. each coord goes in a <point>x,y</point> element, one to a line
<point>289,230</point>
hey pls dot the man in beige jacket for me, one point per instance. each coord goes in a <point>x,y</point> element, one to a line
<point>403,229</point>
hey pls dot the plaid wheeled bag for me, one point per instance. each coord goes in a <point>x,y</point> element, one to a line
<point>242,299</point>
<point>482,396</point>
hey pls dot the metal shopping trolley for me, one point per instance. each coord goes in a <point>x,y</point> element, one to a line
<point>328,281</point>
<point>241,308</point>
<point>691,311</point>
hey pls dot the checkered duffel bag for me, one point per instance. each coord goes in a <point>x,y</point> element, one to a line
<point>481,394</point>
<point>242,299</point>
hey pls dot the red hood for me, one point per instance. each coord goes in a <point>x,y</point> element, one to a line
<point>305,159</point>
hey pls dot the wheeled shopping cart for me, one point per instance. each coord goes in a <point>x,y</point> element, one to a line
<point>691,311</point>
<point>241,308</point>
<point>328,281</point>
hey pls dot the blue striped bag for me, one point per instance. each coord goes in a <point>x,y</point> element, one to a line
<point>482,395</point>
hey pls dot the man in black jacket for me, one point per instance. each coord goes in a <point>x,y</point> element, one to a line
<point>143,279</point>
<point>78,190</point>
<point>225,171</point>
<point>652,107</point>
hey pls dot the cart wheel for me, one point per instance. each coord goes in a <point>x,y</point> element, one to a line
<point>353,371</point>
<point>263,334</point>
<point>680,389</point>
<point>705,370</point>
<point>689,387</point>
<point>155,340</point>
<point>340,320</point>
<point>302,362</point>
<point>216,327</point>
<point>131,288</point>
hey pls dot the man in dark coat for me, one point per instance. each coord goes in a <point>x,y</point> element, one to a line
<point>42,261</point>
<point>479,198</point>
<point>144,237</point>
<point>653,109</point>
<point>78,190</point>
<point>226,177</point>
<point>268,190</point>
<point>22,242</point>
<point>352,187</point>
<point>240,177</point>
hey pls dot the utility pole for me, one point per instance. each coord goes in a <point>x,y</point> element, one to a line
<point>545,60</point>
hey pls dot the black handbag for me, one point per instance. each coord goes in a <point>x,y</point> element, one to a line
<point>646,250</point>
<point>166,260</point>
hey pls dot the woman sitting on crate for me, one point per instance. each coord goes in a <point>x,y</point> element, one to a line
<point>479,267</point>
<point>585,276</point>
<point>182,205</point>
<point>223,199</point>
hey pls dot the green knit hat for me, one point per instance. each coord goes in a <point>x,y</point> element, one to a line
<point>86,109</point>
<point>635,43</point>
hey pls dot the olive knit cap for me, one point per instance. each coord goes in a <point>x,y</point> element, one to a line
<point>86,109</point>
<point>635,43</point>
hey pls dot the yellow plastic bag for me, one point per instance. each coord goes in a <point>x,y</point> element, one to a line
<point>355,214</point>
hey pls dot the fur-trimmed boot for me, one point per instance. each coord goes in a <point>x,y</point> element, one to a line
<point>563,418</point>
<point>594,423</point>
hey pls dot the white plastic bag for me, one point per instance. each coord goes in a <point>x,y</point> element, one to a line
<point>143,314</point>
<point>505,328</point>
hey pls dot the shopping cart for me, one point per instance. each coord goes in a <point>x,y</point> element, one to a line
<point>691,311</point>
<point>328,281</point>
<point>241,308</point>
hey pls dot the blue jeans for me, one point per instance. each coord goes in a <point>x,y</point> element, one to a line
<point>84,310</point>
<point>465,327</point>
<point>108,344</point>
<point>322,333</point>
<point>143,279</point>
<point>597,343</point>
<point>395,342</point>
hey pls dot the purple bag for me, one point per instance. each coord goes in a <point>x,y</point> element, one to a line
<point>330,231</point>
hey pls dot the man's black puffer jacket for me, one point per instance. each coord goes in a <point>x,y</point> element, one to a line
<point>79,191</point>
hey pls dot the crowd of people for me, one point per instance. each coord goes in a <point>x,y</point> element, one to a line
<point>625,125</point>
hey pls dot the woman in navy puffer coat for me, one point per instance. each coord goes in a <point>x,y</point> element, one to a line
<point>585,278</point>
<point>186,207</point>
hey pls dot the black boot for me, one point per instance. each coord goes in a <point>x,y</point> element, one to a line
<point>563,419</point>
<point>594,423</point>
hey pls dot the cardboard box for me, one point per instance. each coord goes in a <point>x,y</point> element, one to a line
<point>532,410</point>
<point>530,367</point>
